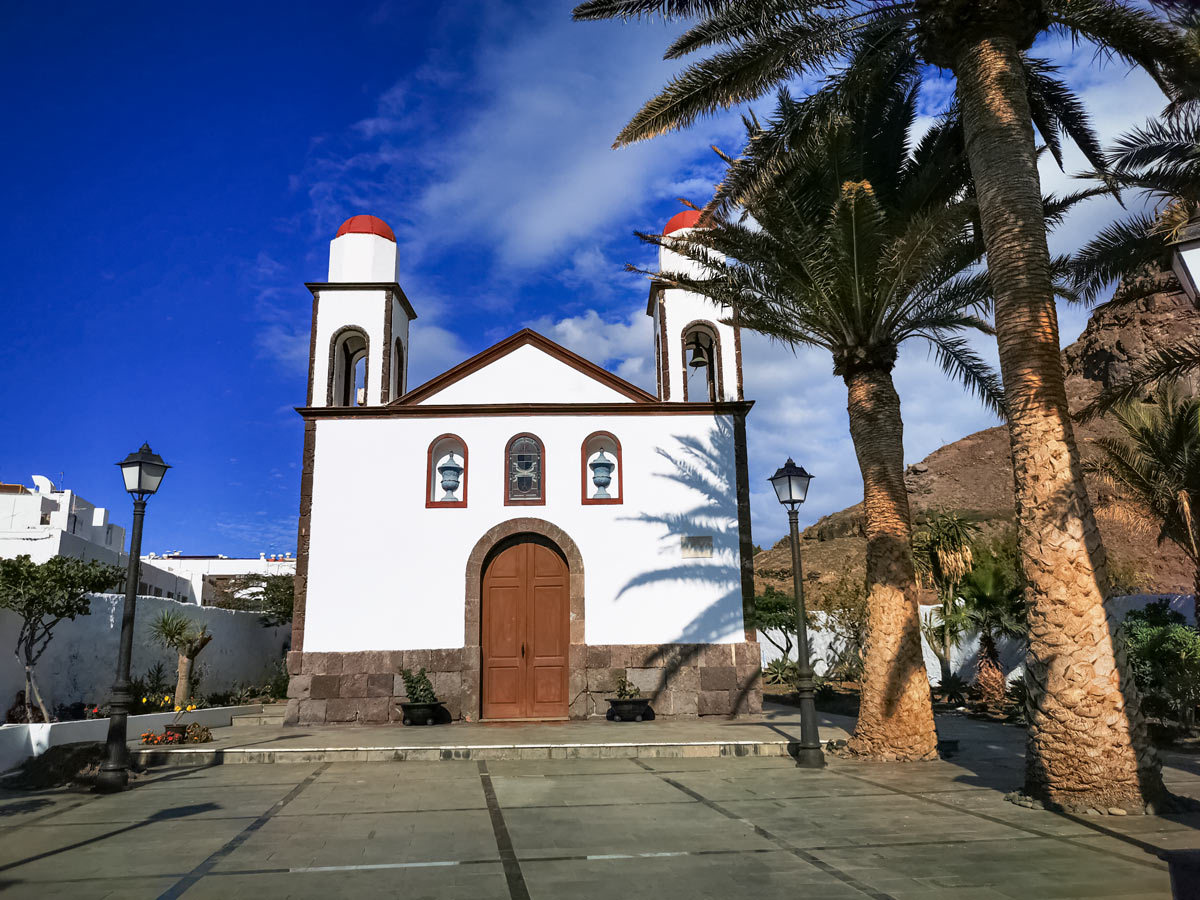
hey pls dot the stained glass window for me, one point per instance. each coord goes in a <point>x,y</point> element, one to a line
<point>525,469</point>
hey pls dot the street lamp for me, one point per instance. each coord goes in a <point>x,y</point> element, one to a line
<point>791,487</point>
<point>143,472</point>
<point>1185,259</point>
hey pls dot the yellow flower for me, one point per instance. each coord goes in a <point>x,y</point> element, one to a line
<point>178,708</point>
<point>143,699</point>
<point>166,699</point>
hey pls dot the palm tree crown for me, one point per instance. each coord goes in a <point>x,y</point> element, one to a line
<point>858,242</point>
<point>1156,464</point>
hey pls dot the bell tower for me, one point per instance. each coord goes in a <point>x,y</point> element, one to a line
<point>697,355</point>
<point>358,355</point>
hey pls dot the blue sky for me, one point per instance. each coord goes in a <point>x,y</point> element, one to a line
<point>174,174</point>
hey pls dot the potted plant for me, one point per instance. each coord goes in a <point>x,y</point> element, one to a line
<point>629,705</point>
<point>423,706</point>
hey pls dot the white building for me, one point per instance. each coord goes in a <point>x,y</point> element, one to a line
<point>526,526</point>
<point>47,522</point>
<point>207,575</point>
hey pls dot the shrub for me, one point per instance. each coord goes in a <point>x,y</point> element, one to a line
<point>1164,653</point>
<point>418,687</point>
<point>626,689</point>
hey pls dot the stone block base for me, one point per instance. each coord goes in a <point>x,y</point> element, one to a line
<point>683,680</point>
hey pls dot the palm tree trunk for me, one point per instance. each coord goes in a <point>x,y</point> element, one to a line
<point>1087,738</point>
<point>895,719</point>
<point>182,681</point>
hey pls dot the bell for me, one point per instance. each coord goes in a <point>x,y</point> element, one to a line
<point>699,354</point>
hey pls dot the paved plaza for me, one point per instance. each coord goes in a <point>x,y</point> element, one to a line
<point>654,827</point>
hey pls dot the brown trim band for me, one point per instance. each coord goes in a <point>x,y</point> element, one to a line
<point>303,528</point>
<point>583,471</point>
<point>540,500</point>
<point>460,410</point>
<point>719,376</point>
<point>665,374</point>
<point>315,286</point>
<point>508,345</point>
<point>333,349</point>
<point>430,490</point>
<point>745,539</point>
<point>386,351</point>
<point>312,347</point>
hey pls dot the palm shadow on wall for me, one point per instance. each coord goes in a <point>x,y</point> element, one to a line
<point>707,468</point>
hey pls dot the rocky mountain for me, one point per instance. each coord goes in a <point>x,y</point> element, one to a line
<point>973,476</point>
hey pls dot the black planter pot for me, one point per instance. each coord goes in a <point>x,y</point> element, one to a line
<point>636,709</point>
<point>424,713</point>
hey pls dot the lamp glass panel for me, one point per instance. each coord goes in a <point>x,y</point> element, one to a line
<point>782,489</point>
<point>1186,263</point>
<point>799,486</point>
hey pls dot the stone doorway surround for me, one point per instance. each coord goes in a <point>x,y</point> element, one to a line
<point>472,652</point>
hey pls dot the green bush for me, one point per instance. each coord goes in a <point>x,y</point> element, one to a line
<point>418,687</point>
<point>1164,653</point>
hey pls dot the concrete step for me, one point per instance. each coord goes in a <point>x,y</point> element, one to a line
<point>272,714</point>
<point>202,755</point>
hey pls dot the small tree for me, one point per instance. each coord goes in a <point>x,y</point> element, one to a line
<point>177,632</point>
<point>942,554</point>
<point>775,619</point>
<point>43,595</point>
<point>993,594</point>
<point>271,595</point>
<point>1164,653</point>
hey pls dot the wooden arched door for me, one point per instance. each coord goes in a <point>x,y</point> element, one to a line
<point>526,631</point>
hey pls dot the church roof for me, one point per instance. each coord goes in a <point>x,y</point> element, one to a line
<point>686,219</point>
<point>525,338</point>
<point>366,225</point>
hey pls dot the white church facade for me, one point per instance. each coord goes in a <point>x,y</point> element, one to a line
<point>526,526</point>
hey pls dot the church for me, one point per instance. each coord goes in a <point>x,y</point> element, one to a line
<point>526,526</point>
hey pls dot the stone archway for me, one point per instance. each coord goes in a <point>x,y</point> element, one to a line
<point>472,653</point>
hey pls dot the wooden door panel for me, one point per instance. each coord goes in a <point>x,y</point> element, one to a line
<point>503,634</point>
<point>526,633</point>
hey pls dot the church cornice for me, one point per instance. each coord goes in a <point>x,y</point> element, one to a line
<point>525,336</point>
<point>463,410</point>
<point>321,287</point>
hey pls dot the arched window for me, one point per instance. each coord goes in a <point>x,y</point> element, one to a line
<point>446,475</point>
<point>602,474</point>
<point>397,370</point>
<point>524,472</point>
<point>348,367</point>
<point>701,363</point>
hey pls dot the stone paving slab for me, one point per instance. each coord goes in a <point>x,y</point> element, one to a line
<point>770,735</point>
<point>592,829</point>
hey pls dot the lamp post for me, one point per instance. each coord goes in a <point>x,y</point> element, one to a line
<point>791,487</point>
<point>143,472</point>
<point>1185,259</point>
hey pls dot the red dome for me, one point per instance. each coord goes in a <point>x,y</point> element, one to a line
<point>367,225</point>
<point>686,219</point>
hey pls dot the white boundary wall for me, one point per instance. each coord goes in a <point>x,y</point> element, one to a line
<point>19,742</point>
<point>80,663</point>
<point>965,657</point>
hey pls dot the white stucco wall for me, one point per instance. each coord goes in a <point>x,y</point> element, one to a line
<point>530,371</point>
<point>385,573</point>
<point>80,663</point>
<point>965,657</point>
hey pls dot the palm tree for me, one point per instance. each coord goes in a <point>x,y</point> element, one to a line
<point>177,632</point>
<point>1156,465</point>
<point>859,243</point>
<point>993,595</point>
<point>1085,747</point>
<point>942,552</point>
<point>1158,162</point>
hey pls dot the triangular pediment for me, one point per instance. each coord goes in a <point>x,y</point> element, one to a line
<point>525,368</point>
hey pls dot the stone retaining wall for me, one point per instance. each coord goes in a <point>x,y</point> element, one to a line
<point>683,679</point>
